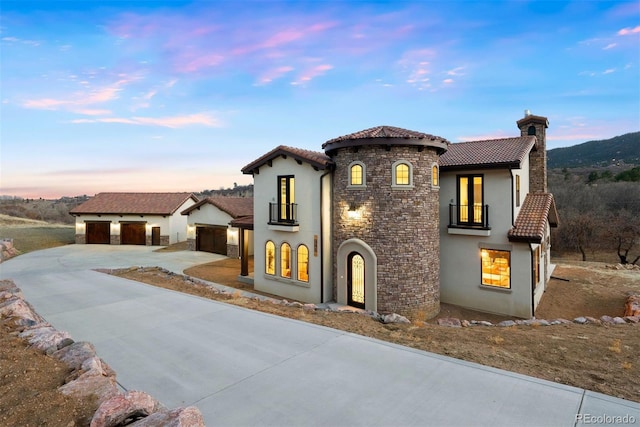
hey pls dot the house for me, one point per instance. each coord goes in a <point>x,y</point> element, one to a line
<point>394,220</point>
<point>133,218</point>
<point>209,229</point>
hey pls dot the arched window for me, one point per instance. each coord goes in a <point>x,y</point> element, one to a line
<point>402,174</point>
<point>357,175</point>
<point>303,263</point>
<point>435,176</point>
<point>285,260</point>
<point>531,130</point>
<point>270,258</point>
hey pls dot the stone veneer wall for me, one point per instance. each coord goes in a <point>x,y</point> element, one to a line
<point>537,157</point>
<point>115,239</point>
<point>233,251</point>
<point>81,239</point>
<point>401,226</point>
<point>191,244</point>
<point>164,240</point>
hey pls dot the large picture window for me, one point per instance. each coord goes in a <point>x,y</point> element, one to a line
<point>496,268</point>
<point>285,260</point>
<point>303,263</point>
<point>270,258</point>
<point>470,200</point>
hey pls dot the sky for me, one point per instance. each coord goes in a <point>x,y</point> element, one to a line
<point>180,95</point>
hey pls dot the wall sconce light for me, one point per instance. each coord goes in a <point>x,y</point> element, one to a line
<point>232,236</point>
<point>353,212</point>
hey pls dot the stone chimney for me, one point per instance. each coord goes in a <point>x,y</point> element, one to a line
<point>536,126</point>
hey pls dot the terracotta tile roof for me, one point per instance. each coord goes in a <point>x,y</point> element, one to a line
<point>536,210</point>
<point>386,135</point>
<point>384,132</point>
<point>493,153</point>
<point>234,206</point>
<point>243,222</point>
<point>133,203</point>
<point>314,158</point>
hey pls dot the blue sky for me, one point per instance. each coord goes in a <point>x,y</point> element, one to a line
<point>179,96</point>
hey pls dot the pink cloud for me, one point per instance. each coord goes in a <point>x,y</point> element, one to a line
<point>96,96</point>
<point>193,62</point>
<point>92,112</point>
<point>273,74</point>
<point>172,122</point>
<point>45,103</point>
<point>313,72</point>
<point>628,31</point>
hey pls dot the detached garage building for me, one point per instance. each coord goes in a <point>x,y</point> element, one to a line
<point>208,224</point>
<point>133,218</point>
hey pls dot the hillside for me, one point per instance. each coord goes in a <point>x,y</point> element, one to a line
<point>619,149</point>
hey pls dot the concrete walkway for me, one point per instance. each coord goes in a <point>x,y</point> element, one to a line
<point>242,367</point>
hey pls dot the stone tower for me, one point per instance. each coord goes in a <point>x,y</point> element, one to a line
<point>385,212</point>
<point>537,126</point>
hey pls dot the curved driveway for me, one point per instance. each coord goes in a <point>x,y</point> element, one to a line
<point>242,367</point>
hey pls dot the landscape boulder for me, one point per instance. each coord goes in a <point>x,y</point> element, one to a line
<point>132,405</point>
<point>632,306</point>
<point>451,322</point>
<point>393,318</point>
<point>189,416</point>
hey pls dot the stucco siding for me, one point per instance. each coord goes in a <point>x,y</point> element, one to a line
<point>178,224</point>
<point>460,261</point>
<point>307,197</point>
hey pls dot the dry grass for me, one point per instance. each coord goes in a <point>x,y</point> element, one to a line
<point>27,238</point>
<point>616,346</point>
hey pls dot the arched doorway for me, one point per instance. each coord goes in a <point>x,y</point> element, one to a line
<point>355,280</point>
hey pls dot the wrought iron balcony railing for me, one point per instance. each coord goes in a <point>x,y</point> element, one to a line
<point>283,213</point>
<point>472,216</point>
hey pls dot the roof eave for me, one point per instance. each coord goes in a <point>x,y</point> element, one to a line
<point>525,239</point>
<point>386,142</point>
<point>254,167</point>
<point>501,165</point>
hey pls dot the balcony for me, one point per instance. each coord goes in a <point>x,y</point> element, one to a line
<point>469,220</point>
<point>283,216</point>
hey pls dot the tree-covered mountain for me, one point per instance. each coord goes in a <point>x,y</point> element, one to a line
<point>620,149</point>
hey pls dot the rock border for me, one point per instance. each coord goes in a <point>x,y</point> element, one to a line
<point>90,375</point>
<point>631,317</point>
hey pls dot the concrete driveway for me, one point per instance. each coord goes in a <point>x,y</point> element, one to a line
<point>242,367</point>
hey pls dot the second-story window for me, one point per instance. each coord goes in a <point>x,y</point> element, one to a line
<point>435,176</point>
<point>517,190</point>
<point>357,176</point>
<point>401,175</point>
<point>470,205</point>
<point>286,198</point>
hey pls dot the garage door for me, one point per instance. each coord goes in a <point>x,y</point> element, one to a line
<point>212,239</point>
<point>98,233</point>
<point>133,234</point>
